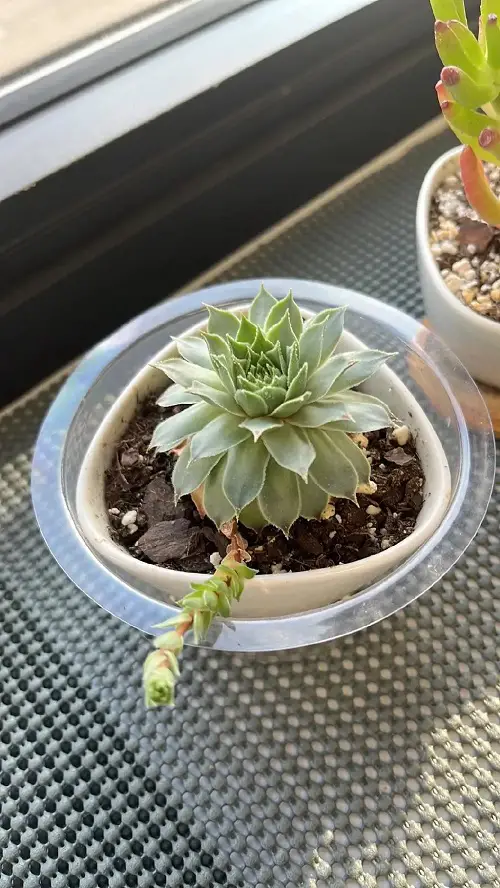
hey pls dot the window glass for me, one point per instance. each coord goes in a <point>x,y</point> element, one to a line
<point>32,31</point>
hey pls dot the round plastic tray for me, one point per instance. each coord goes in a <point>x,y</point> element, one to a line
<point>433,374</point>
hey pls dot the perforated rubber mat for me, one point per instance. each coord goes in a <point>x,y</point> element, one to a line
<point>372,762</point>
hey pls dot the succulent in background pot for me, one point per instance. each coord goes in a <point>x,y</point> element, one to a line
<point>459,246</point>
<point>266,427</point>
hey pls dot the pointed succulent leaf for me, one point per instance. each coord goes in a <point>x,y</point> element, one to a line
<point>315,415</point>
<point>290,448</point>
<point>243,571</point>
<point>182,425</point>
<point>298,384</point>
<point>224,605</point>
<point>188,475</point>
<point>282,332</point>
<point>252,516</point>
<point>224,374</point>
<point>201,624</point>
<point>260,307</point>
<point>221,322</point>
<point>278,312</point>
<point>279,509</point>
<point>218,436</point>
<point>247,331</point>
<point>321,336</point>
<point>215,396</point>
<point>364,417</point>
<point>216,346</point>
<point>215,501</point>
<point>260,424</point>
<point>353,453</point>
<point>324,378</point>
<point>290,408</point>
<point>331,469</point>
<point>361,365</point>
<point>175,395</point>
<point>313,500</point>
<point>273,395</point>
<point>240,350</point>
<point>245,472</point>
<point>292,354</point>
<point>183,373</point>
<point>261,344</point>
<point>364,399</point>
<point>194,349</point>
<point>252,404</point>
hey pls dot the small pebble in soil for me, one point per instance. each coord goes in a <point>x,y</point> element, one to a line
<point>401,435</point>
<point>129,518</point>
<point>146,520</point>
<point>467,250</point>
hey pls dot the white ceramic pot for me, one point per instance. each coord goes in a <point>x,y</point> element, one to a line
<point>473,338</point>
<point>267,595</point>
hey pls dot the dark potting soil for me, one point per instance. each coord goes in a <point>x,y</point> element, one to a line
<point>146,521</point>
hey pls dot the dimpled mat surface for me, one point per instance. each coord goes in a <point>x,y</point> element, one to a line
<point>371,762</point>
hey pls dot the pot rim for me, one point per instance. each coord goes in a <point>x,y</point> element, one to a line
<point>383,598</point>
<point>430,183</point>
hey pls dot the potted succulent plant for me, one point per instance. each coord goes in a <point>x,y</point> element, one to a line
<point>264,440</point>
<point>458,212</point>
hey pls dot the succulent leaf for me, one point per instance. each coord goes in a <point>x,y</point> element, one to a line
<point>290,448</point>
<point>218,436</point>
<point>175,396</point>
<point>194,350</point>
<point>267,439</point>
<point>260,307</point>
<point>331,469</point>
<point>177,428</point>
<point>215,501</point>
<point>279,499</point>
<point>241,487</point>
<point>188,475</point>
<point>313,500</point>
<point>222,323</point>
<point>213,396</point>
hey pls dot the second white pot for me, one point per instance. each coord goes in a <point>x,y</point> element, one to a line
<point>266,595</point>
<point>473,338</point>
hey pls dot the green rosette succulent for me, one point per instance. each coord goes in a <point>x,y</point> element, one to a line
<point>270,408</point>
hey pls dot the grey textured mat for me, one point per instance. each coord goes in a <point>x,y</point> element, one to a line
<point>374,762</point>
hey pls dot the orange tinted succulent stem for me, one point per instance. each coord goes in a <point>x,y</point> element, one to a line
<point>477,188</point>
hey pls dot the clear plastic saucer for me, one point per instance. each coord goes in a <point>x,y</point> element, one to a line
<point>431,371</point>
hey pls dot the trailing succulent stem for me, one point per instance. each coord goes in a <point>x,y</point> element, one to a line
<point>265,436</point>
<point>469,94</point>
<point>198,609</point>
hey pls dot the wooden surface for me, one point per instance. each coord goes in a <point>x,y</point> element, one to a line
<point>420,374</point>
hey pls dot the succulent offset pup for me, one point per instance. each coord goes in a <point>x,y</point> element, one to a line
<point>265,438</point>
<point>470,81</point>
